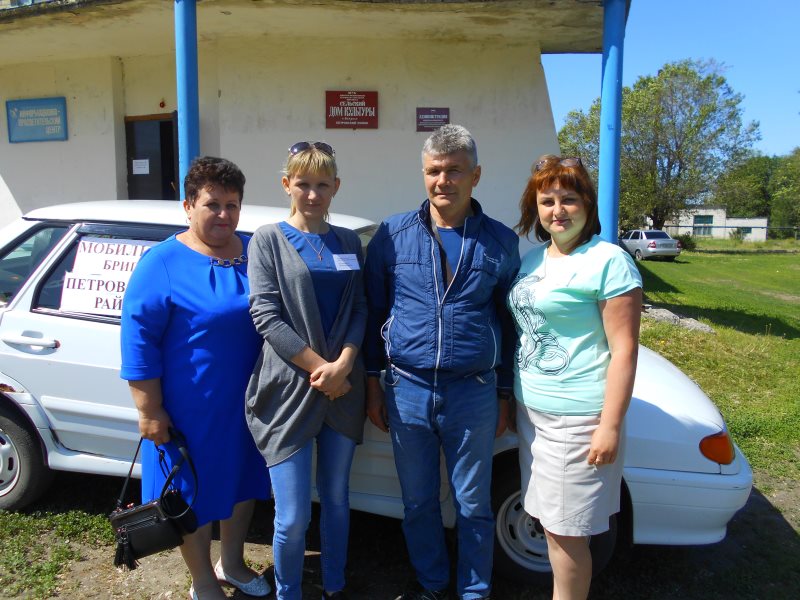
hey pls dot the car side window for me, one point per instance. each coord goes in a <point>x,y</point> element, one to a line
<point>635,235</point>
<point>90,279</point>
<point>21,258</point>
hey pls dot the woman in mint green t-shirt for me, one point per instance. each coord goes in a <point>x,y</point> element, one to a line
<point>576,303</point>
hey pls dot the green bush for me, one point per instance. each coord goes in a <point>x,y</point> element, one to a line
<point>736,235</point>
<point>687,241</point>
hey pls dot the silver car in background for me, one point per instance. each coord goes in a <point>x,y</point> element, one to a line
<point>650,243</point>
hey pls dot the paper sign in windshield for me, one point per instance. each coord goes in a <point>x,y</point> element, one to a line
<point>99,277</point>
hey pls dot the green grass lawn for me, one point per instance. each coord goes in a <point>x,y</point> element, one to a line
<point>729,245</point>
<point>750,366</point>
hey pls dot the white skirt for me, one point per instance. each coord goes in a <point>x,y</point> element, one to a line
<point>568,495</point>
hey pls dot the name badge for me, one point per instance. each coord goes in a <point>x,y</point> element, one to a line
<point>346,262</point>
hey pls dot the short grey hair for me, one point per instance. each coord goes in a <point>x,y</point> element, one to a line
<point>449,139</point>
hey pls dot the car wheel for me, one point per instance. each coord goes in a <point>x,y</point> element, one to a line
<point>23,473</point>
<point>520,547</point>
<point>638,255</point>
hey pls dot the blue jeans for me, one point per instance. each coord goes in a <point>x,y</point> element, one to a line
<point>458,415</point>
<point>291,485</point>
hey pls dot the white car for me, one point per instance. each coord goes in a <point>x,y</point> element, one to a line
<point>63,406</point>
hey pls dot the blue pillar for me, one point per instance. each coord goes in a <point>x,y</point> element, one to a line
<point>614,18</point>
<point>186,75</point>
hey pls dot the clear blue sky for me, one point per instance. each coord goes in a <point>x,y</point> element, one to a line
<point>757,40</point>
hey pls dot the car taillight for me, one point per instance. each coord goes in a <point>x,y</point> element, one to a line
<point>718,447</point>
<point>680,246</point>
<point>651,245</point>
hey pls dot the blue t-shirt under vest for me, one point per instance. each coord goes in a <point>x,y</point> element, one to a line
<point>317,251</point>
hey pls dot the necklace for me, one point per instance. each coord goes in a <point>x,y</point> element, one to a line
<point>227,262</point>
<point>308,241</point>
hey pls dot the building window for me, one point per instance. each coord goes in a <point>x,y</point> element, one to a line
<point>702,224</point>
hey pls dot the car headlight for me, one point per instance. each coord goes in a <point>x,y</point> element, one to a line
<point>718,447</point>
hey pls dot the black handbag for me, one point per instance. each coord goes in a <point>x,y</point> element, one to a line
<point>145,529</point>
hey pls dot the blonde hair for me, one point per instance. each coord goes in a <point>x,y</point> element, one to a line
<point>312,160</point>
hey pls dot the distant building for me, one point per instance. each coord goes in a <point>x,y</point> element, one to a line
<point>713,221</point>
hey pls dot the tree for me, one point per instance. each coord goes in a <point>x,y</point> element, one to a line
<point>745,189</point>
<point>785,187</point>
<point>680,129</point>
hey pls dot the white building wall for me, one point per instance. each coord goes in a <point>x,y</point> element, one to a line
<point>259,95</point>
<point>757,226</point>
<point>118,100</point>
<point>85,166</point>
<point>721,226</point>
<point>271,98</point>
<point>148,80</point>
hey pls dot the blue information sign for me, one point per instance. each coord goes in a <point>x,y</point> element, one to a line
<point>37,119</point>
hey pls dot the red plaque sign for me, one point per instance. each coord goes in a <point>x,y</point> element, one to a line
<point>351,110</point>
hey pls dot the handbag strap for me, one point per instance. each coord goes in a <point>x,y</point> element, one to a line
<point>121,498</point>
<point>180,441</point>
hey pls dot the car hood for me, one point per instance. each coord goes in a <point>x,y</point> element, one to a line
<point>668,416</point>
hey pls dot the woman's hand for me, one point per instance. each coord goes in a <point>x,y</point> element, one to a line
<point>154,421</point>
<point>329,377</point>
<point>341,391</point>
<point>604,446</point>
<point>154,425</point>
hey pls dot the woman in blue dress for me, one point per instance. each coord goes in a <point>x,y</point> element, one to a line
<point>188,349</point>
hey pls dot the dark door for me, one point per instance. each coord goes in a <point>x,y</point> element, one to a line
<point>152,156</point>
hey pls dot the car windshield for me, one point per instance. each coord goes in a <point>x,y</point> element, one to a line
<point>656,235</point>
<point>365,234</point>
<point>20,259</point>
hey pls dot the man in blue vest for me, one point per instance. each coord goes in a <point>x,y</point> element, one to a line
<point>436,281</point>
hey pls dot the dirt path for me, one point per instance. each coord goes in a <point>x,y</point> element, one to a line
<point>378,567</point>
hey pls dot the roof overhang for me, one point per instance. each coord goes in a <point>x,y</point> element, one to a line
<point>72,29</point>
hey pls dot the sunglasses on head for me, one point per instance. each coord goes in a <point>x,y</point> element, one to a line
<point>302,146</point>
<point>564,162</point>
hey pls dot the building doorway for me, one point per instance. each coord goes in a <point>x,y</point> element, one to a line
<point>151,143</point>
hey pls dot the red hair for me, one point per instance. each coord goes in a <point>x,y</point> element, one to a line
<point>568,173</point>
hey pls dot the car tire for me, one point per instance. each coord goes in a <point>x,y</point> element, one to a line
<point>520,547</point>
<point>638,255</point>
<point>24,476</point>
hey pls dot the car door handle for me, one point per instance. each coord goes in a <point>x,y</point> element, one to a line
<point>23,340</point>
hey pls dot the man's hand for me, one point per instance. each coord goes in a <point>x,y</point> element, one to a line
<point>376,404</point>
<point>506,414</point>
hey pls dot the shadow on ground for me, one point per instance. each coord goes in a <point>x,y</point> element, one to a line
<point>760,557</point>
<point>745,322</point>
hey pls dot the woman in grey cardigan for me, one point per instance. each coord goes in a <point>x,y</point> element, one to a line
<point>307,302</point>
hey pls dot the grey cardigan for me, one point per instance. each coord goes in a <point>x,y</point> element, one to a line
<point>283,411</point>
